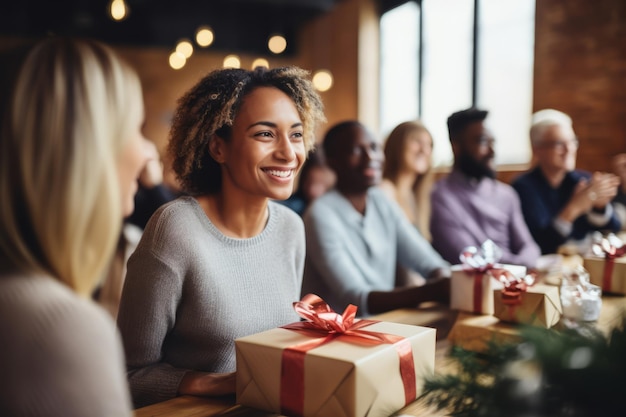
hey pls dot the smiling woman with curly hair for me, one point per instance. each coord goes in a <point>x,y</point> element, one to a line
<point>224,261</point>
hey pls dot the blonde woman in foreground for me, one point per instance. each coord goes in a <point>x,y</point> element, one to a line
<point>70,153</point>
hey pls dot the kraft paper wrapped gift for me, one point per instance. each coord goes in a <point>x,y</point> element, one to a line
<point>539,305</point>
<point>340,378</point>
<point>472,291</point>
<point>474,332</point>
<point>607,273</point>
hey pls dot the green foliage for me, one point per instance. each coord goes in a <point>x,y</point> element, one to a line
<point>568,372</point>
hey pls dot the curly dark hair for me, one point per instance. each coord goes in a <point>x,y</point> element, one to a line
<point>210,108</point>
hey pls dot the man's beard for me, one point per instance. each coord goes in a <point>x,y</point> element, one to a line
<point>475,169</point>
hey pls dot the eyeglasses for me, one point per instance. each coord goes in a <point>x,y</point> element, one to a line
<point>561,144</point>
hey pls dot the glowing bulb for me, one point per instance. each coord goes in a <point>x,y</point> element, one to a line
<point>322,80</point>
<point>177,60</point>
<point>277,44</point>
<point>204,36</point>
<point>118,9</point>
<point>232,61</point>
<point>185,47</point>
<point>260,62</point>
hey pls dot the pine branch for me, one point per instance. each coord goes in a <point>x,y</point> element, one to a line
<point>569,372</point>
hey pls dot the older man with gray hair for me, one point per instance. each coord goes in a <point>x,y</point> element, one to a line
<point>562,204</point>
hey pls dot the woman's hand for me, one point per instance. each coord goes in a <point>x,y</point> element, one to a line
<point>207,384</point>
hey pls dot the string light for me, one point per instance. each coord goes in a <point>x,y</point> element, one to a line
<point>204,36</point>
<point>184,47</point>
<point>277,44</point>
<point>260,62</point>
<point>322,80</point>
<point>177,60</point>
<point>118,10</point>
<point>232,61</point>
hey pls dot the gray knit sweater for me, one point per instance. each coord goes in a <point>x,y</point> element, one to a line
<point>190,291</point>
<point>60,355</point>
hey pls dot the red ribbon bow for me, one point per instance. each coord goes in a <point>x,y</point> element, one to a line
<point>611,250</point>
<point>476,263</point>
<point>514,287</point>
<point>326,325</point>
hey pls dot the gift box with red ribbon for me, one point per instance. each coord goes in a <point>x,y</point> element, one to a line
<point>522,301</point>
<point>333,365</point>
<point>474,280</point>
<point>607,265</point>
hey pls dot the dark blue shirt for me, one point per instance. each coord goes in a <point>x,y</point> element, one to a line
<point>541,204</point>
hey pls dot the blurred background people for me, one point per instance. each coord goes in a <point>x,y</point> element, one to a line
<point>619,201</point>
<point>407,174</point>
<point>152,192</point>
<point>314,180</point>
<point>562,204</point>
<point>223,261</point>
<point>356,235</point>
<point>70,153</point>
<point>470,206</point>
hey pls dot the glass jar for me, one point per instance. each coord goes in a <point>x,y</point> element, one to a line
<point>581,300</point>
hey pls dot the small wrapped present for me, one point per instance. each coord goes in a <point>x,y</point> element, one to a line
<point>473,281</point>
<point>522,301</point>
<point>607,264</point>
<point>472,332</point>
<point>333,365</point>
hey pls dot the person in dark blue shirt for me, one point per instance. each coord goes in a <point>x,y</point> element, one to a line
<point>562,204</point>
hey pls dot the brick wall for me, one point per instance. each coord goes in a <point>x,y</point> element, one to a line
<point>580,68</point>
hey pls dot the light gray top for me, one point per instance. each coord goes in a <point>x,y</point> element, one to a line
<point>60,355</point>
<point>350,255</point>
<point>190,291</point>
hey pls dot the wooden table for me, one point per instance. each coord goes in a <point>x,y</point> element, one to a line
<point>430,315</point>
<point>436,316</point>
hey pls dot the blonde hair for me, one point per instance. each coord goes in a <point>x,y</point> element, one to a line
<point>210,108</point>
<point>395,146</point>
<point>73,107</point>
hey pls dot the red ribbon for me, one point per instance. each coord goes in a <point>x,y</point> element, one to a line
<point>324,325</point>
<point>610,253</point>
<point>514,289</point>
<point>478,274</point>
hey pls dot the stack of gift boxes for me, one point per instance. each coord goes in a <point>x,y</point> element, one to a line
<point>332,364</point>
<point>502,297</point>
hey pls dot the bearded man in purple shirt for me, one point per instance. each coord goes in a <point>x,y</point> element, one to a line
<point>470,206</point>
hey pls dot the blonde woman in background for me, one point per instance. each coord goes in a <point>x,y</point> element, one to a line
<point>407,175</point>
<point>70,153</point>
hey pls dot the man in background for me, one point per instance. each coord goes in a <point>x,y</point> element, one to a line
<point>562,204</point>
<point>470,206</point>
<point>355,235</point>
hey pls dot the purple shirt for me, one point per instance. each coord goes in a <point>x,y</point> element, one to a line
<point>467,212</point>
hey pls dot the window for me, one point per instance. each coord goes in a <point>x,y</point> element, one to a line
<point>467,52</point>
<point>399,52</point>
